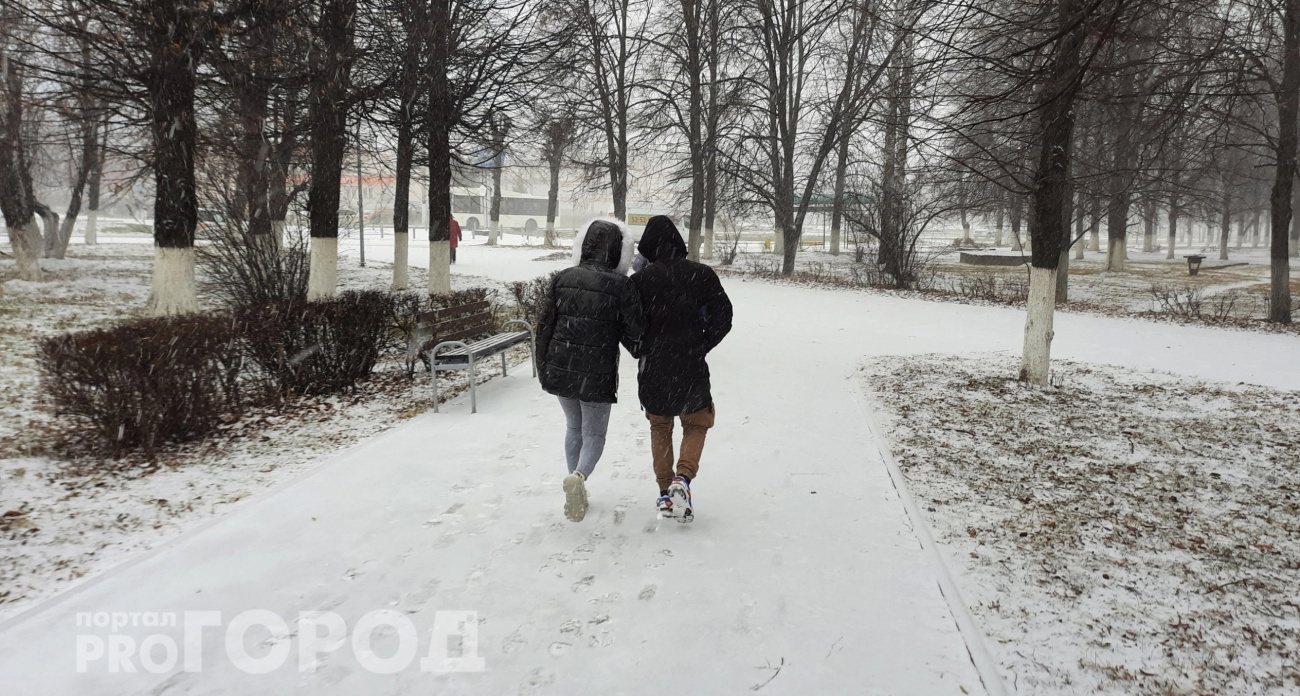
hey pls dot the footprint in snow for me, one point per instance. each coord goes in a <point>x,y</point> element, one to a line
<point>558,648</point>
<point>620,512</point>
<point>583,584</point>
<point>648,592</point>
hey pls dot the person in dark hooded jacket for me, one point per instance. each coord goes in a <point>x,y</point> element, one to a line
<point>591,308</point>
<point>687,314</point>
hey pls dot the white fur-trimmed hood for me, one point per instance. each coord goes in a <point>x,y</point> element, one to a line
<point>629,244</point>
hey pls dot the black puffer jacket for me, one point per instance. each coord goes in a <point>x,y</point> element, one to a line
<point>591,309</point>
<point>687,314</point>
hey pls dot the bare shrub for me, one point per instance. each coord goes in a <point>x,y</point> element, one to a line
<point>530,296</point>
<point>1223,304</point>
<point>727,244</point>
<point>317,347</point>
<point>149,381</point>
<point>243,269</point>
<point>1184,300</point>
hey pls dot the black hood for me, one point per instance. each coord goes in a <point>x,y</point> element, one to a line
<point>603,245</point>
<point>661,240</point>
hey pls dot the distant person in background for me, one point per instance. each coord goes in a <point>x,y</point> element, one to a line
<point>590,309</point>
<point>687,314</point>
<point>455,237</point>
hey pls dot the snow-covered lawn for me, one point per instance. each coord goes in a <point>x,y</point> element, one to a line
<point>1229,293</point>
<point>67,515</point>
<point>802,575</point>
<point>1126,532</point>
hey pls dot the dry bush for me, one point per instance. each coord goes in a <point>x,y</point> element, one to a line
<point>317,347</point>
<point>149,381</point>
<point>1182,300</point>
<point>530,296</point>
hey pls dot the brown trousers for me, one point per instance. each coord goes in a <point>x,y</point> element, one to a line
<point>694,427</point>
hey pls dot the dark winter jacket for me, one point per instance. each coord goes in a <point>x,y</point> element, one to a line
<point>591,308</point>
<point>687,314</point>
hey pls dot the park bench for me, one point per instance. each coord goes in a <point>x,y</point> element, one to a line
<point>449,330</point>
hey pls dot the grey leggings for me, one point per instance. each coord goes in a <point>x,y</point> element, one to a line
<point>584,437</point>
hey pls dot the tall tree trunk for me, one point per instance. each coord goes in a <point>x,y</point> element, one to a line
<point>1051,195</point>
<point>710,202</point>
<point>1225,219</point>
<point>402,197</point>
<point>88,120</point>
<point>1063,264</point>
<point>692,14</point>
<point>93,186</point>
<point>1077,239</point>
<point>553,200</point>
<point>441,118</point>
<point>330,84</point>
<point>999,222</point>
<point>841,176</point>
<point>1280,209</point>
<point>1148,226</point>
<point>494,205</point>
<point>500,127</point>
<point>17,197</point>
<point>1174,212</point>
<point>1094,224</point>
<point>1017,210</point>
<point>174,130</point>
<point>1122,174</point>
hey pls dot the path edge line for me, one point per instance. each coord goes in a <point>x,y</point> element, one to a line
<point>976,642</point>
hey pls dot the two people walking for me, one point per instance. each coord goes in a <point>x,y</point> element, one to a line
<point>668,315</point>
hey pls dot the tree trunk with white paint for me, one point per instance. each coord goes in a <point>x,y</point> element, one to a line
<point>997,229</point>
<point>401,260</point>
<point>439,267</point>
<point>323,274</point>
<point>92,227</point>
<point>173,290</point>
<point>1036,361</point>
<point>28,248</point>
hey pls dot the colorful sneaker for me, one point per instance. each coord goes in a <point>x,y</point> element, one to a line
<point>575,497</point>
<point>680,494</point>
<point>665,505</point>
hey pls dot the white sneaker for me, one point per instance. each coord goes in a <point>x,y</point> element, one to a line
<point>679,494</point>
<point>575,497</point>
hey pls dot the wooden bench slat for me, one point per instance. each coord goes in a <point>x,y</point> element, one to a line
<point>452,325</point>
<point>451,312</point>
<point>465,333</point>
<point>435,315</point>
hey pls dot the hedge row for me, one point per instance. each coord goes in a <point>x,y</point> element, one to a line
<point>151,381</point>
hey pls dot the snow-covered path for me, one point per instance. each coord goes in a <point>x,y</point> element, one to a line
<point>802,558</point>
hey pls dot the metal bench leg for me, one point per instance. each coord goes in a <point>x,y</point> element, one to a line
<point>503,365</point>
<point>434,370</point>
<point>532,352</point>
<point>473,392</point>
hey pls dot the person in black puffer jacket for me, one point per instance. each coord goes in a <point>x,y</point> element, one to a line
<point>590,310</point>
<point>687,315</point>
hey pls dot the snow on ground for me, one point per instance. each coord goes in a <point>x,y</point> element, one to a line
<point>1227,293</point>
<point>1124,533</point>
<point>801,576</point>
<point>68,521</point>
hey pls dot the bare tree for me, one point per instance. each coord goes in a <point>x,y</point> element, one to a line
<point>17,198</point>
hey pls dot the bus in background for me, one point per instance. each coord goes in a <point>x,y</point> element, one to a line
<point>521,213</point>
